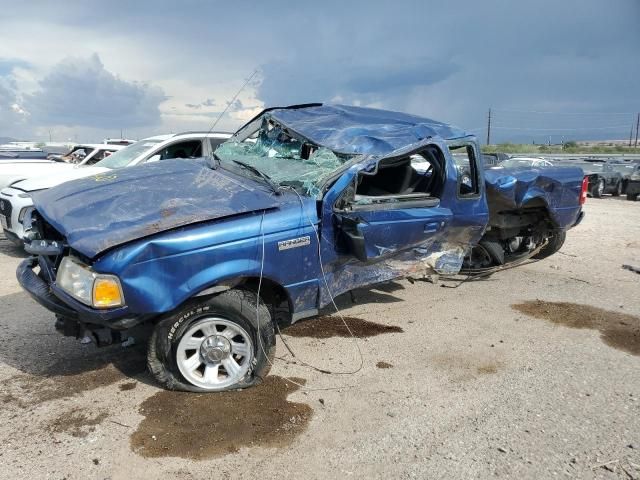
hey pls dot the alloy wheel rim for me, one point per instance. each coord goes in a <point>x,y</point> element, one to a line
<point>214,353</point>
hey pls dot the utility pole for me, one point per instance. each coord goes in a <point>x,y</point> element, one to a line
<point>50,137</point>
<point>489,129</point>
<point>631,134</point>
<point>637,126</point>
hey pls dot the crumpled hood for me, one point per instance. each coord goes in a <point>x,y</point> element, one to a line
<point>110,209</point>
<point>56,178</point>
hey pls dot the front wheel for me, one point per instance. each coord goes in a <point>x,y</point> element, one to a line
<point>554,243</point>
<point>219,343</point>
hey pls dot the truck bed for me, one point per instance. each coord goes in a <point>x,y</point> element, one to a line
<point>555,188</point>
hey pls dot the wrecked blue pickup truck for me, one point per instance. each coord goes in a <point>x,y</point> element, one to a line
<point>302,204</point>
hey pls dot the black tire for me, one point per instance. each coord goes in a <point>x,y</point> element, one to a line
<point>618,191</point>
<point>488,253</point>
<point>632,197</point>
<point>495,251</point>
<point>554,244</point>
<point>237,306</point>
<point>598,189</point>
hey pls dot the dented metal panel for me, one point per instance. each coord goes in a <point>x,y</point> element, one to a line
<point>558,188</point>
<point>100,212</point>
<point>358,130</point>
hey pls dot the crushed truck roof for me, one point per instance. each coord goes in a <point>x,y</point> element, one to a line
<point>358,130</point>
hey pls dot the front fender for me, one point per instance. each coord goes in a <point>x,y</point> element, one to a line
<point>159,273</point>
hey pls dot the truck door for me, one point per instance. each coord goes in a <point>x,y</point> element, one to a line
<point>379,224</point>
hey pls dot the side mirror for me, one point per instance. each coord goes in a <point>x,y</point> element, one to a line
<point>154,158</point>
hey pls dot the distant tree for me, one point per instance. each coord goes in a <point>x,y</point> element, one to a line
<point>569,145</point>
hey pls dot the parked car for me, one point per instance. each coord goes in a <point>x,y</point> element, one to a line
<point>22,154</point>
<point>524,162</point>
<point>119,141</point>
<point>626,169</point>
<point>633,184</point>
<point>602,178</point>
<point>16,199</point>
<point>210,253</point>
<point>86,154</point>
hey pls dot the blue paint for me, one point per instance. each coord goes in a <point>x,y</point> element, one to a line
<point>348,129</point>
<point>557,188</point>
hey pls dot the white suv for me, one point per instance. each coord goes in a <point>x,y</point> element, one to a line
<point>15,200</point>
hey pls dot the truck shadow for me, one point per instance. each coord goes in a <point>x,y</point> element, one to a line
<point>380,293</point>
<point>11,250</point>
<point>51,366</point>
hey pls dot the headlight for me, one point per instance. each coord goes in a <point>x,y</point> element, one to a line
<point>91,288</point>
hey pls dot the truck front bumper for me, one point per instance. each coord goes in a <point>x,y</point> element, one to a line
<point>54,299</point>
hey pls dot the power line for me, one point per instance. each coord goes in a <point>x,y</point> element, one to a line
<point>563,113</point>
<point>581,129</point>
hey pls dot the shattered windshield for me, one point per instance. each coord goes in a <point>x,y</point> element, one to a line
<point>283,159</point>
<point>124,157</point>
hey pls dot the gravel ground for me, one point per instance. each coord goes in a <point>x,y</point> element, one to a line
<point>466,387</point>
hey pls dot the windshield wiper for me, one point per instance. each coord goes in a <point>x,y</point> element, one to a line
<point>275,187</point>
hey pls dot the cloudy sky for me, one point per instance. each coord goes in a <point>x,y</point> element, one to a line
<point>86,70</point>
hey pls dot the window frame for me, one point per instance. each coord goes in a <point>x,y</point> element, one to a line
<point>163,146</point>
<point>407,200</point>
<point>475,167</point>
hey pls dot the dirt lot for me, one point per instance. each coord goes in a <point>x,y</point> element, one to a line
<point>513,376</point>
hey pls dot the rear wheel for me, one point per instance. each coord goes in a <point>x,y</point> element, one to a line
<point>488,253</point>
<point>220,343</point>
<point>554,243</point>
<point>632,196</point>
<point>598,189</point>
